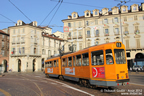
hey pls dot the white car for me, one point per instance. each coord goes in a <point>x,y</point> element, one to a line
<point>137,68</point>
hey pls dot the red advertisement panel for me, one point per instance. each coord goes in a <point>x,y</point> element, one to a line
<point>98,72</point>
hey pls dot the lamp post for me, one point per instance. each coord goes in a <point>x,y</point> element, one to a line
<point>121,26</point>
<point>120,4</point>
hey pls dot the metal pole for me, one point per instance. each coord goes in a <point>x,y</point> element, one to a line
<point>121,26</point>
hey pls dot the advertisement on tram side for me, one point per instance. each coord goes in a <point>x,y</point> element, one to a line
<point>70,71</point>
<point>98,72</point>
<point>50,70</point>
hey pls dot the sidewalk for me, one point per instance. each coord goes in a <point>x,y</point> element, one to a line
<point>135,73</point>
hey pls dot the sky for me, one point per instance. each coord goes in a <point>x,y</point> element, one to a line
<point>38,10</point>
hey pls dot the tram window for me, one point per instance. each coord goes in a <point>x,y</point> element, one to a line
<point>57,63</point>
<point>64,64</point>
<point>97,57</point>
<point>54,63</point>
<point>73,60</point>
<point>109,57</point>
<point>47,64</point>
<point>69,61</point>
<point>120,56</point>
<point>50,64</point>
<point>78,60</point>
<point>85,59</point>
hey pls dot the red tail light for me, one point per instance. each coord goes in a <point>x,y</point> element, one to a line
<point>117,76</point>
<point>126,75</point>
<point>127,83</point>
<point>118,84</point>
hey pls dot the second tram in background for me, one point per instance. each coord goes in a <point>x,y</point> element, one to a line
<point>102,65</point>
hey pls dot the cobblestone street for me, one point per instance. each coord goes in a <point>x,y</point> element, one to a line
<point>36,84</point>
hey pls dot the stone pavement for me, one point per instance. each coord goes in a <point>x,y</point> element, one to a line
<point>4,93</point>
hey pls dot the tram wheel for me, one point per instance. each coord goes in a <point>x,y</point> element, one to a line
<point>61,78</point>
<point>47,76</point>
<point>88,85</point>
<point>80,82</point>
<point>85,83</point>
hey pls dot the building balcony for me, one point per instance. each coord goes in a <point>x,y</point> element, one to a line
<point>137,32</point>
<point>80,37</point>
<point>24,54</point>
<point>22,42</point>
<point>2,48</point>
<point>13,42</point>
<point>116,34</point>
<point>18,42</point>
<point>69,38</point>
<point>88,36</point>
<point>106,34</point>
<point>3,39</point>
<point>35,42</point>
<point>97,35</point>
<point>74,37</point>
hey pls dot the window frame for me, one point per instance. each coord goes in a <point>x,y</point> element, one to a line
<point>96,62</point>
<point>107,56</point>
<point>87,64</point>
<point>70,61</point>
<point>74,61</point>
<point>54,62</point>
<point>64,64</point>
<point>80,63</point>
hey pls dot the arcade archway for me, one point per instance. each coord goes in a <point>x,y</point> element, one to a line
<point>34,63</point>
<point>42,67</point>
<point>19,65</point>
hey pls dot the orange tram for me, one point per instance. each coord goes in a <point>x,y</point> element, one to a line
<point>102,65</point>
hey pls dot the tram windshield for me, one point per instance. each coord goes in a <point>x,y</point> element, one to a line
<point>120,56</point>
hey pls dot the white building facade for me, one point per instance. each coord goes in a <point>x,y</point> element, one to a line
<point>106,26</point>
<point>26,47</point>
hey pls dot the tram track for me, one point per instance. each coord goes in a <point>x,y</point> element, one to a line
<point>41,93</point>
<point>60,89</point>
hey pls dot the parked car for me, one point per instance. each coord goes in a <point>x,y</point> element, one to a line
<point>137,68</point>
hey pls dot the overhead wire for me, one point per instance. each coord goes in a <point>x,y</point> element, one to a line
<point>7,18</point>
<point>50,12</point>
<point>78,4</point>
<point>20,10</point>
<point>55,12</point>
<point>129,1</point>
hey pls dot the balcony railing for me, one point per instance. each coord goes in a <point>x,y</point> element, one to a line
<point>18,42</point>
<point>3,39</point>
<point>74,37</point>
<point>35,42</point>
<point>88,36</point>
<point>96,35</point>
<point>106,34</point>
<point>80,37</point>
<point>69,38</point>
<point>117,34</point>
<point>24,54</point>
<point>22,42</point>
<point>2,47</point>
<point>13,42</point>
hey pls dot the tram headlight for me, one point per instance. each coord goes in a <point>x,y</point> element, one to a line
<point>118,44</point>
